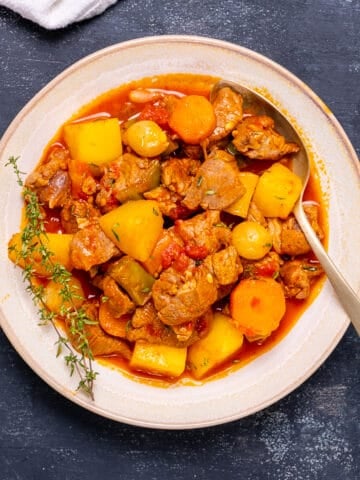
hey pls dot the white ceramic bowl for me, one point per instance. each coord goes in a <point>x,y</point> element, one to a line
<point>301,352</point>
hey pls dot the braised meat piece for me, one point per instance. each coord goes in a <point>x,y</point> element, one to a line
<point>205,229</point>
<point>77,214</point>
<point>287,236</point>
<point>57,160</point>
<point>182,297</point>
<point>134,176</point>
<point>90,246</point>
<point>50,180</point>
<point>193,151</point>
<point>103,344</point>
<point>169,202</point>
<point>57,191</point>
<point>127,179</point>
<point>216,185</point>
<point>100,343</point>
<point>225,265</point>
<point>255,215</point>
<point>178,173</point>
<point>269,266</point>
<point>312,213</point>
<point>117,300</point>
<point>256,138</point>
<point>167,249</point>
<point>228,107</point>
<point>293,241</point>
<point>146,325</point>
<point>296,276</point>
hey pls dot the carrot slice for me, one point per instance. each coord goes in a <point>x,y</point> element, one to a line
<point>257,306</point>
<point>193,118</point>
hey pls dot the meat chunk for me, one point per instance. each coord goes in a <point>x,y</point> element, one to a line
<point>269,266</point>
<point>228,107</point>
<point>90,246</point>
<point>205,229</point>
<point>296,276</point>
<point>256,138</point>
<point>117,300</point>
<point>57,190</point>
<point>134,176</point>
<point>146,325</point>
<point>167,249</point>
<point>169,202</point>
<point>180,298</point>
<point>193,151</point>
<point>293,241</point>
<point>287,236</point>
<point>127,178</point>
<point>100,343</point>
<point>255,215</point>
<point>56,161</point>
<point>216,185</point>
<point>312,213</point>
<point>177,174</point>
<point>51,180</point>
<point>77,214</point>
<point>225,265</point>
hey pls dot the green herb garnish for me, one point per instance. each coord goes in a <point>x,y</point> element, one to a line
<point>80,360</point>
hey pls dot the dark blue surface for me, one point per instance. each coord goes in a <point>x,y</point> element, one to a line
<point>311,434</point>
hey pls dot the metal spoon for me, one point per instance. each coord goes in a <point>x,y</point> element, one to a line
<point>301,166</point>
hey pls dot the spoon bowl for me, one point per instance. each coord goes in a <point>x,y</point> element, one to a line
<point>301,166</point>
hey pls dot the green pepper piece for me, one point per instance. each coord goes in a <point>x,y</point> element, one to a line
<point>133,278</point>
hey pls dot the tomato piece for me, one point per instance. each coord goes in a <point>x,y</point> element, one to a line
<point>156,113</point>
<point>170,254</point>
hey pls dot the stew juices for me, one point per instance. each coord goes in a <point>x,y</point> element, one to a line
<point>172,216</point>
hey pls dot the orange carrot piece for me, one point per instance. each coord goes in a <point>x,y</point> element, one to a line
<point>257,306</point>
<point>193,118</point>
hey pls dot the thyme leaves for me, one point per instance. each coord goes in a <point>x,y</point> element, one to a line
<point>32,245</point>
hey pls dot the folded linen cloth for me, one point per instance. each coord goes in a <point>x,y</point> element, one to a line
<point>53,14</point>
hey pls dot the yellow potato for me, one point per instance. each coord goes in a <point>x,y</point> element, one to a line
<point>241,206</point>
<point>251,240</point>
<point>277,191</point>
<point>134,227</point>
<point>53,295</point>
<point>222,341</point>
<point>158,359</point>
<point>97,142</point>
<point>56,243</point>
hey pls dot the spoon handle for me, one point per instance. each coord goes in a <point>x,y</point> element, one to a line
<point>348,298</point>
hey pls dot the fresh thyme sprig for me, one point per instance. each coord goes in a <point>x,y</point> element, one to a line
<point>79,361</point>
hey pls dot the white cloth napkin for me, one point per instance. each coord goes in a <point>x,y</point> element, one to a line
<point>53,14</point>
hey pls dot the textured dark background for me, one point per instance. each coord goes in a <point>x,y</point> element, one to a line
<point>311,434</point>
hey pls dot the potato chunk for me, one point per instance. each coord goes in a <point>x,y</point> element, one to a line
<point>134,227</point>
<point>222,341</point>
<point>56,243</point>
<point>97,142</point>
<point>54,297</point>
<point>241,206</point>
<point>277,191</point>
<point>158,359</point>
